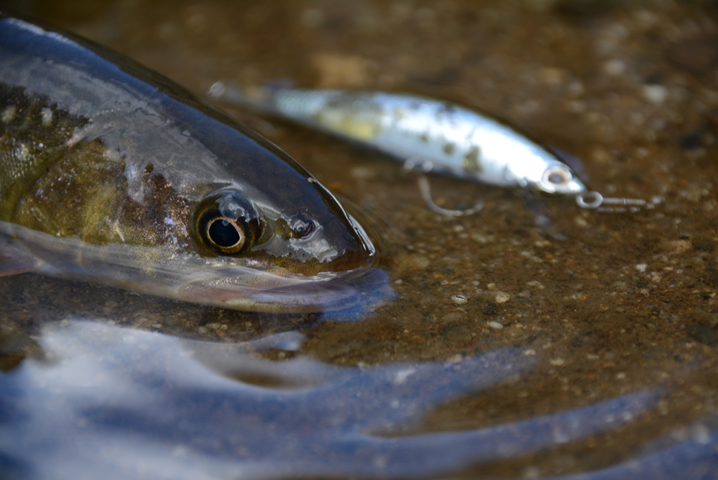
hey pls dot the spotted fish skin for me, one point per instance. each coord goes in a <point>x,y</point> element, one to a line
<point>34,132</point>
<point>442,136</point>
<point>105,164</point>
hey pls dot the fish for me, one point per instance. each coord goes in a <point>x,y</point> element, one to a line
<point>110,172</point>
<point>427,134</point>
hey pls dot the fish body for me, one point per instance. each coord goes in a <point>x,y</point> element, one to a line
<point>111,172</point>
<point>439,136</point>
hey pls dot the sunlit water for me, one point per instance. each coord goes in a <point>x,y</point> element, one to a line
<point>114,403</point>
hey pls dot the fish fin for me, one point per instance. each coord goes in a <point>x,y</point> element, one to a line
<point>14,263</point>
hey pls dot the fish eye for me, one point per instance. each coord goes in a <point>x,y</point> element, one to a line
<point>227,222</point>
<point>557,176</point>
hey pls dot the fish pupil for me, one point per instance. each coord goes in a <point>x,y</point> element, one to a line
<point>224,233</point>
<point>227,222</point>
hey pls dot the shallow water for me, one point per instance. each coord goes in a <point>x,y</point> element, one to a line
<point>617,322</point>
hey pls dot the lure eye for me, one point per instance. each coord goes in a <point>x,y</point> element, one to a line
<point>557,176</point>
<point>227,222</point>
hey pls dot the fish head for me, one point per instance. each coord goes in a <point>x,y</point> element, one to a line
<point>117,174</point>
<point>285,246</point>
<point>310,235</point>
<point>195,209</point>
<point>262,207</point>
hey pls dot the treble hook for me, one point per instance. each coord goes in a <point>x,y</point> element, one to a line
<point>595,200</point>
<point>421,169</point>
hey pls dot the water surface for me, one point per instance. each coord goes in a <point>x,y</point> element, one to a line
<point>546,340</point>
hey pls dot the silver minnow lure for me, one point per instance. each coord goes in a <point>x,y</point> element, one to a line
<point>427,134</point>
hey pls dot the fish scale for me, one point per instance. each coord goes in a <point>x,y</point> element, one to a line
<point>30,141</point>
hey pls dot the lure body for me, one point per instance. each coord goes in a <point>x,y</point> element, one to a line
<point>111,172</point>
<point>435,135</point>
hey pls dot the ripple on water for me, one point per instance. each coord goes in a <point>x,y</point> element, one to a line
<point>119,403</point>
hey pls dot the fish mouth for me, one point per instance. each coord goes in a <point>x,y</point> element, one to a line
<point>332,271</point>
<point>279,291</point>
<point>193,278</point>
<point>339,242</point>
<point>339,245</point>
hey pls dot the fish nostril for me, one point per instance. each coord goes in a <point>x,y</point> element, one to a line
<point>301,225</point>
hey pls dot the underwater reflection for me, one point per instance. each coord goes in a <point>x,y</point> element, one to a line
<point>115,403</point>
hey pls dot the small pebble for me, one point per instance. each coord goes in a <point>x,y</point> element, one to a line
<point>614,67</point>
<point>502,297</point>
<point>620,285</point>
<point>495,325</point>
<point>655,94</point>
<point>459,299</point>
<point>641,267</point>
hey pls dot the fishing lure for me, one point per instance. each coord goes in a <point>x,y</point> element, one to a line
<point>111,172</point>
<point>428,135</point>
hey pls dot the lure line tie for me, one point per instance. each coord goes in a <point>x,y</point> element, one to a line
<point>594,200</point>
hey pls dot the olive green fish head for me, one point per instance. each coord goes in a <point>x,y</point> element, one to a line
<point>111,172</point>
<point>163,181</point>
<point>229,221</point>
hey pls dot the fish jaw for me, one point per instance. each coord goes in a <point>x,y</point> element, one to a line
<point>192,278</point>
<point>279,291</point>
